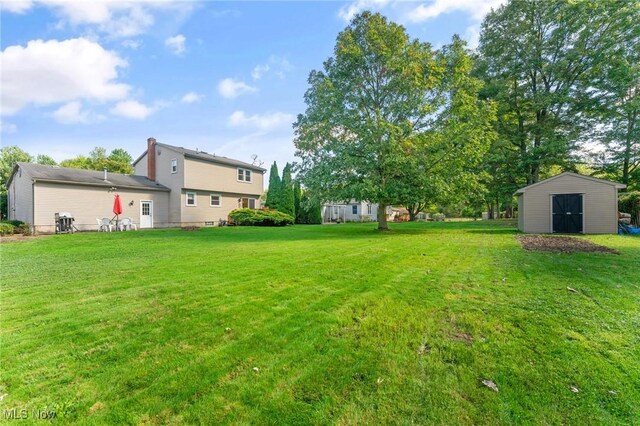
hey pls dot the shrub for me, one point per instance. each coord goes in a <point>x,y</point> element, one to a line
<point>24,229</point>
<point>6,229</point>
<point>630,203</point>
<point>249,217</point>
<point>15,223</point>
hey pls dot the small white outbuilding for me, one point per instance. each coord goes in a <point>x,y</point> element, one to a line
<point>569,203</point>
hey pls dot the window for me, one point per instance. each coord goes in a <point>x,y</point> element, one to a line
<point>247,203</point>
<point>174,166</point>
<point>215,200</point>
<point>191,198</point>
<point>354,209</point>
<point>244,175</point>
<point>369,208</point>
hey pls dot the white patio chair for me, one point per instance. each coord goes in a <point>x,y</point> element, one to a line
<point>127,224</point>
<point>105,224</point>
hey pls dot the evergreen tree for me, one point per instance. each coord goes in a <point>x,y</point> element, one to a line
<point>297,195</point>
<point>287,197</point>
<point>273,192</point>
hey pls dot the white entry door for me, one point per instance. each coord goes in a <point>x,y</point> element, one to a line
<point>146,214</point>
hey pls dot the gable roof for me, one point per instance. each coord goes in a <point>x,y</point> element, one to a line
<point>608,182</point>
<point>66,175</point>
<point>204,156</point>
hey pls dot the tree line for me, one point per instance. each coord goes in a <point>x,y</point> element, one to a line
<point>286,194</point>
<point>552,87</point>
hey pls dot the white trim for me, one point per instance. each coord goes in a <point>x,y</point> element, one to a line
<point>174,160</point>
<point>195,199</point>
<point>244,175</point>
<point>219,200</point>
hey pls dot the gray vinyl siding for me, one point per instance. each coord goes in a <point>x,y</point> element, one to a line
<point>20,197</point>
<point>600,206</point>
<point>87,203</point>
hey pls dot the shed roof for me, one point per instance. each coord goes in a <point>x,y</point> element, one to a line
<point>542,182</point>
<point>204,156</point>
<point>66,175</point>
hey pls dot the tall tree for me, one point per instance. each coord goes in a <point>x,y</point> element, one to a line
<point>444,164</point>
<point>376,106</point>
<point>536,53</point>
<point>9,156</point>
<point>273,192</point>
<point>297,198</point>
<point>45,159</point>
<point>612,96</point>
<point>118,161</point>
<point>287,197</point>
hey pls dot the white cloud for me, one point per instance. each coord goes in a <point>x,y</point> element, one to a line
<point>176,44</point>
<point>131,44</point>
<point>230,88</point>
<point>477,9</point>
<point>50,72</point>
<point>118,18</point>
<point>7,127</point>
<point>132,109</point>
<point>191,97</point>
<point>348,11</point>
<point>276,65</point>
<point>263,122</point>
<point>71,113</point>
<point>16,6</point>
<point>259,71</point>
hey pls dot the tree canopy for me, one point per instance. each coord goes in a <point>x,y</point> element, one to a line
<point>389,119</point>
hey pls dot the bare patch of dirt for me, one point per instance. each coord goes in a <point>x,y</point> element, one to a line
<point>559,244</point>
<point>463,337</point>
<point>19,237</point>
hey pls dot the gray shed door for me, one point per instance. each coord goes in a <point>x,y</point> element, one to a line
<point>567,213</point>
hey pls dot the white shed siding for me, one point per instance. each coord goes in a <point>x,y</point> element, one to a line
<point>20,197</point>
<point>599,204</point>
<point>88,203</point>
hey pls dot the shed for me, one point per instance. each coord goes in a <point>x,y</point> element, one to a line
<point>569,203</point>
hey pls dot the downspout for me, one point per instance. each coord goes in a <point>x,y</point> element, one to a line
<point>33,201</point>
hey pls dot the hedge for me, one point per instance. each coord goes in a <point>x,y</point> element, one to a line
<point>6,229</point>
<point>250,217</point>
<point>629,202</point>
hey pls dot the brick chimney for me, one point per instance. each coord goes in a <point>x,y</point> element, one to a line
<point>151,159</point>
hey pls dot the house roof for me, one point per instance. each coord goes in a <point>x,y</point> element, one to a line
<point>608,182</point>
<point>204,156</point>
<point>66,175</point>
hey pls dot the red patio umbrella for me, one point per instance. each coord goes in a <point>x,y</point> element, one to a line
<point>117,207</point>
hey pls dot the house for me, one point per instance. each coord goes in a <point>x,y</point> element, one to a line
<point>569,203</point>
<point>171,187</point>
<point>352,211</point>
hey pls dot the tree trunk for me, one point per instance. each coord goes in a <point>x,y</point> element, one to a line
<point>382,217</point>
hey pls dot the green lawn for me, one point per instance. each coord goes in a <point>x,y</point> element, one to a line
<point>319,324</point>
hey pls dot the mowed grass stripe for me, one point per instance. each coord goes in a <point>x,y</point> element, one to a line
<point>345,325</point>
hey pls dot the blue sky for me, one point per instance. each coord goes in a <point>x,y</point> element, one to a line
<point>224,77</point>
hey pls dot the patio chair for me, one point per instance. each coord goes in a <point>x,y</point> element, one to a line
<point>105,224</point>
<point>127,224</point>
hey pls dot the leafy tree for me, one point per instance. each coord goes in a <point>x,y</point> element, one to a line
<point>273,192</point>
<point>535,55</point>
<point>9,156</point>
<point>287,196</point>
<point>45,159</point>
<point>444,165</point>
<point>612,96</point>
<point>380,117</point>
<point>118,161</point>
